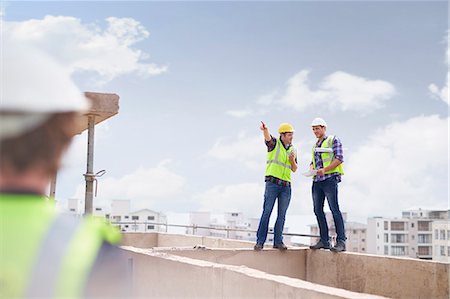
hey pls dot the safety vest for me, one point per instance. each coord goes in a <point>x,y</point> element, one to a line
<point>278,164</point>
<point>327,157</point>
<point>44,254</point>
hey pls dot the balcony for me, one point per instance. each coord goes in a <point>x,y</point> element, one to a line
<point>204,267</point>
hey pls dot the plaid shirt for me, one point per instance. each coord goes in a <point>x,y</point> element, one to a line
<point>271,144</point>
<point>338,154</point>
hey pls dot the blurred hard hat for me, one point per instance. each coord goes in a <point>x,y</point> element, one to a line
<point>33,87</point>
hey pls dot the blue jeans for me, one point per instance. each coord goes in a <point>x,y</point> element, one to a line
<point>328,189</point>
<point>272,192</point>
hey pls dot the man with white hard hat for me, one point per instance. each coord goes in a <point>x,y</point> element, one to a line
<point>45,254</point>
<point>327,159</point>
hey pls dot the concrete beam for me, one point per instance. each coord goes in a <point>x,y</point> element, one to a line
<point>104,106</point>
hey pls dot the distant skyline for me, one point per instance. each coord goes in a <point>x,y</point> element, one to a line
<point>196,78</point>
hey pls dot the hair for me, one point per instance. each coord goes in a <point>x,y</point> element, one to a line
<point>41,147</point>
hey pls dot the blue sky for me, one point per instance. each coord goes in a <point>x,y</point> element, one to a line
<point>187,136</point>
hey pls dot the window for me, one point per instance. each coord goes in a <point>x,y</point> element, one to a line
<point>436,234</point>
<point>150,227</point>
<point>386,238</point>
<point>398,238</point>
<point>423,226</point>
<point>126,225</point>
<point>423,238</point>
<point>424,250</point>
<point>412,224</point>
<point>126,217</point>
<point>386,250</point>
<point>72,210</point>
<point>134,217</point>
<point>442,235</point>
<point>448,251</point>
<point>234,214</point>
<point>397,225</point>
<point>363,249</point>
<point>378,224</point>
<point>117,218</point>
<point>151,218</point>
<point>363,240</point>
<point>448,234</point>
<point>354,231</point>
<point>399,250</point>
<point>442,250</point>
<point>386,225</point>
<point>98,209</point>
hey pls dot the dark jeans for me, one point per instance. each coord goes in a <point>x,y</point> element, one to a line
<point>272,192</point>
<point>328,189</point>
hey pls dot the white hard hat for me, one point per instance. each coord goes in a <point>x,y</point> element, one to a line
<point>33,87</point>
<point>318,122</point>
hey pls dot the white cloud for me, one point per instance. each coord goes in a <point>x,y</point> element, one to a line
<point>145,187</point>
<point>442,93</point>
<point>245,197</point>
<point>239,113</point>
<point>245,150</point>
<point>402,165</point>
<point>107,52</point>
<point>338,90</point>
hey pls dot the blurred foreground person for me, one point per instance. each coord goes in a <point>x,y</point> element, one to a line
<point>44,254</point>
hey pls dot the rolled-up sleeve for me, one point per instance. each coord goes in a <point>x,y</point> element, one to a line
<point>271,144</point>
<point>337,149</point>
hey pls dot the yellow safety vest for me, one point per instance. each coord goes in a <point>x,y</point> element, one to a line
<point>278,164</point>
<point>45,254</point>
<point>327,156</point>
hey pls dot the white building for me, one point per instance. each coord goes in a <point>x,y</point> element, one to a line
<point>143,221</point>
<point>140,221</point>
<point>355,232</point>
<point>441,240</point>
<point>410,235</point>
<point>76,207</point>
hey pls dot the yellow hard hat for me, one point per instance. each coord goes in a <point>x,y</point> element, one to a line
<point>285,128</point>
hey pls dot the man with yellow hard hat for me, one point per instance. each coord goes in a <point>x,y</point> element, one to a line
<point>281,161</point>
<point>44,254</point>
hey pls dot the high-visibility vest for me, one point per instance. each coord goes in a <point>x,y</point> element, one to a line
<point>327,157</point>
<point>278,164</point>
<point>45,254</point>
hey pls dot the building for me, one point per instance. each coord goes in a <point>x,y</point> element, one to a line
<point>141,221</point>
<point>411,235</point>
<point>441,240</point>
<point>355,232</point>
<point>231,225</point>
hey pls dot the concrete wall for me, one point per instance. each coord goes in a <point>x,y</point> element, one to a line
<point>385,276</point>
<point>149,240</point>
<point>157,275</point>
<point>291,263</point>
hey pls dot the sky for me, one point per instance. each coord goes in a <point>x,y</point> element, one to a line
<point>196,78</point>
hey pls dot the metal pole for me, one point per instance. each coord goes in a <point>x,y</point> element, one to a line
<point>89,176</point>
<point>53,187</point>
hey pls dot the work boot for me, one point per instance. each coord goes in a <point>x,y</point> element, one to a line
<point>280,246</point>
<point>339,247</point>
<point>258,247</point>
<point>320,245</point>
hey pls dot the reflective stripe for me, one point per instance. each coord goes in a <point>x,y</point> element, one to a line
<point>279,163</point>
<point>46,270</point>
<point>277,153</point>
